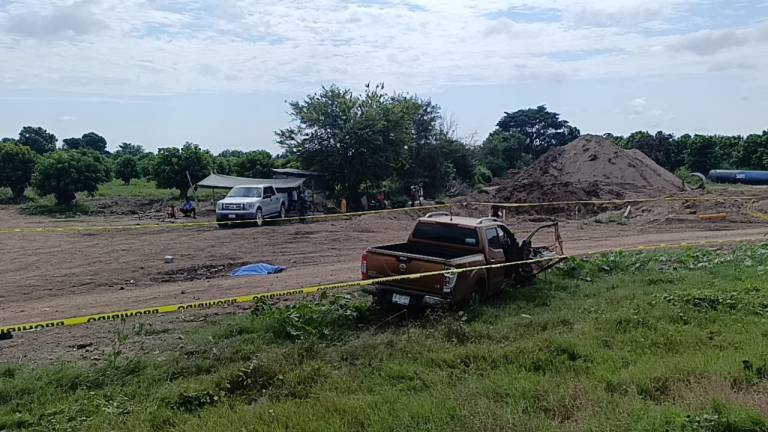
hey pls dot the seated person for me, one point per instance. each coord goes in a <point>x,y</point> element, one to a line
<point>188,209</point>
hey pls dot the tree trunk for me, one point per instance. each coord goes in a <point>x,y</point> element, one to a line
<point>18,193</point>
<point>64,198</point>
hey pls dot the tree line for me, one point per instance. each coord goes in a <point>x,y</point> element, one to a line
<point>363,143</point>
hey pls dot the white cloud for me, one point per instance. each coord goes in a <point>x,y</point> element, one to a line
<point>175,46</point>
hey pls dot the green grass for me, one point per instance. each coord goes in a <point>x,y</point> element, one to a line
<point>138,188</point>
<point>626,341</point>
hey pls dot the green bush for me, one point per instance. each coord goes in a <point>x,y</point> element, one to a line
<point>17,163</point>
<point>64,173</point>
<point>127,168</point>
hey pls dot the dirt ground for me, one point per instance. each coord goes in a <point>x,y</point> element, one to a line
<point>46,276</point>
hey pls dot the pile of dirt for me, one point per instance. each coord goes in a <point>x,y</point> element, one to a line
<point>591,167</point>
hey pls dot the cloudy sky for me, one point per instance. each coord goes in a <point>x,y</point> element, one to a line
<point>218,72</point>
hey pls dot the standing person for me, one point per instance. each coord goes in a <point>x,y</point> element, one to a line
<point>382,201</point>
<point>414,196</point>
<point>421,195</point>
<point>309,197</point>
<point>302,203</point>
<point>364,202</point>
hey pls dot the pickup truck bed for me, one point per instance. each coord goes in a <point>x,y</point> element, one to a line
<point>440,253</point>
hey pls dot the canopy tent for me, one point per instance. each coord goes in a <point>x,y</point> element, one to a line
<point>218,181</point>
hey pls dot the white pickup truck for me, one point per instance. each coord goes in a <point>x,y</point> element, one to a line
<point>251,202</point>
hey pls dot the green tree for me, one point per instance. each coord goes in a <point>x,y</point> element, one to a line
<point>95,142</point>
<point>38,139</point>
<point>175,167</point>
<point>542,129</point>
<point>127,168</point>
<point>283,160</point>
<point>702,154</point>
<point>89,141</point>
<point>130,149</point>
<point>224,165</point>
<point>64,173</point>
<point>352,139</point>
<point>254,164</point>
<point>73,143</point>
<point>231,154</point>
<point>752,153</point>
<point>147,165</point>
<point>658,147</point>
<point>459,156</point>
<point>502,151</point>
<point>16,166</point>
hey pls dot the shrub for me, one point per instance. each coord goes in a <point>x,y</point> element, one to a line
<point>17,163</point>
<point>127,168</point>
<point>64,173</point>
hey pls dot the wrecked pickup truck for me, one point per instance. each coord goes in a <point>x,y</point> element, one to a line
<point>439,242</point>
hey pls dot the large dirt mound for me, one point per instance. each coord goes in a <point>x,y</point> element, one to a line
<point>591,167</point>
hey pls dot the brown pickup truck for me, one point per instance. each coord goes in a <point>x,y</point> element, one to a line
<point>439,242</point>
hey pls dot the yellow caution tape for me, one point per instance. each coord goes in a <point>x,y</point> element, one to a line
<point>615,201</point>
<point>65,229</point>
<point>111,316</point>
<point>71,229</point>
<point>758,215</point>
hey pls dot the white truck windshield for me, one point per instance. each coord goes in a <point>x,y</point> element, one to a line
<point>245,192</point>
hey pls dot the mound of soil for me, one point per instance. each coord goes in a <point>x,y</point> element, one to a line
<point>591,167</point>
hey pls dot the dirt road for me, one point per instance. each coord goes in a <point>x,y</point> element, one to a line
<point>58,275</point>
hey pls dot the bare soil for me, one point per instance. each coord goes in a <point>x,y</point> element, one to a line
<point>46,276</point>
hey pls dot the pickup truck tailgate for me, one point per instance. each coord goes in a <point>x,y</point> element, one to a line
<point>382,263</point>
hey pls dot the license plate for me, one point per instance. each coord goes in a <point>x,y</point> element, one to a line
<point>401,299</point>
<point>231,216</point>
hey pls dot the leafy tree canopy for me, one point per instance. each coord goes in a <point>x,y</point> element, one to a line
<point>64,173</point>
<point>542,129</point>
<point>352,139</point>
<point>255,164</point>
<point>16,166</point>
<point>38,139</point>
<point>175,168</point>
<point>127,168</point>
<point>130,149</point>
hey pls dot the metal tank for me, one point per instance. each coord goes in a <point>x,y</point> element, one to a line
<point>739,176</point>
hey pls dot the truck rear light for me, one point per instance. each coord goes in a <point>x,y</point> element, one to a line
<point>449,279</point>
<point>364,266</point>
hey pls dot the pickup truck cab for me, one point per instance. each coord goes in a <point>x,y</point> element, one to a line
<point>251,202</point>
<point>442,242</point>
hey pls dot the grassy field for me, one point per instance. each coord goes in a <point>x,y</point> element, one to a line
<point>138,188</point>
<point>646,342</point>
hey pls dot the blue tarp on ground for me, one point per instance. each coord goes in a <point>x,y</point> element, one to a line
<point>260,269</point>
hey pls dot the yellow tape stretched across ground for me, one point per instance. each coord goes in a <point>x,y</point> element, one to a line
<point>111,316</point>
<point>71,229</point>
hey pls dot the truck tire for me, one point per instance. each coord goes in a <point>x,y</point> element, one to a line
<point>478,293</point>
